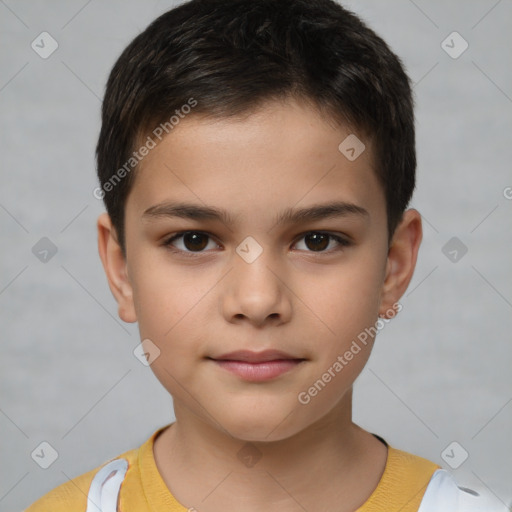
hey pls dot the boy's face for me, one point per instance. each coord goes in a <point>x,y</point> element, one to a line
<point>288,287</point>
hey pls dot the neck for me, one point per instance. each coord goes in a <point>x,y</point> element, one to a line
<point>206,468</point>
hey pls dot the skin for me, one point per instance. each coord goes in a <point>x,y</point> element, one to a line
<point>306,302</point>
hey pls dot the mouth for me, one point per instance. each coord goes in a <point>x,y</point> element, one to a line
<point>257,366</point>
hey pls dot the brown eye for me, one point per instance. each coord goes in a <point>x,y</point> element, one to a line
<point>317,241</point>
<point>195,241</point>
<point>189,242</point>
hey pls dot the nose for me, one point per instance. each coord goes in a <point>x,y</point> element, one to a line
<point>256,292</point>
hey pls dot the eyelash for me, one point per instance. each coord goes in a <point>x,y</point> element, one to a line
<point>194,254</point>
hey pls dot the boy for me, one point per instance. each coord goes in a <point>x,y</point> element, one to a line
<point>256,159</point>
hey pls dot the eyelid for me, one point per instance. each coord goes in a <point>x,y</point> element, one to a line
<point>179,234</point>
<point>342,240</point>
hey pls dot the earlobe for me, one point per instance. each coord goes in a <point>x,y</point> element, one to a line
<point>401,261</point>
<point>114,264</point>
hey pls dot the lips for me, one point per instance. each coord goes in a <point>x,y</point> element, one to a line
<point>256,357</point>
<point>257,366</point>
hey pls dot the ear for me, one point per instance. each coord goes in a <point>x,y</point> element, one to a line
<point>402,255</point>
<point>114,264</point>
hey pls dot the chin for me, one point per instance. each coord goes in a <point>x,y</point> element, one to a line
<point>256,426</point>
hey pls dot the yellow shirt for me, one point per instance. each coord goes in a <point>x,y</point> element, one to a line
<point>401,486</point>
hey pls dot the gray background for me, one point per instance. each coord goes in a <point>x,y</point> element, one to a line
<point>440,371</point>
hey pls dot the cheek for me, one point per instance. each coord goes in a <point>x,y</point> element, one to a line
<point>345,301</point>
<point>165,296</point>
<point>348,310</point>
<point>171,310</point>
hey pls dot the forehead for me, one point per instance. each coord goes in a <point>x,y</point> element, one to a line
<point>284,154</point>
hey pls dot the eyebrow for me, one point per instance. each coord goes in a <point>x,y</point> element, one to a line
<point>288,216</point>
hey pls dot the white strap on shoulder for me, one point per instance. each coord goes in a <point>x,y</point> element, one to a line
<point>443,495</point>
<point>105,487</point>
